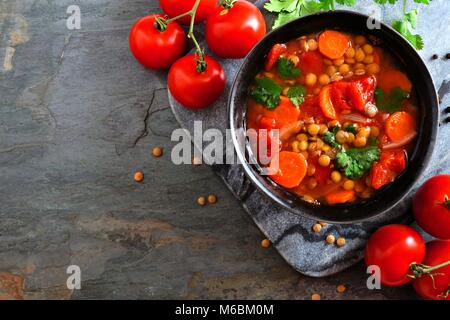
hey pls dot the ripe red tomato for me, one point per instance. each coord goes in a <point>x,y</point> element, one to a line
<point>153,48</point>
<point>431,209</point>
<point>232,33</point>
<point>438,251</point>
<point>174,8</point>
<point>193,89</point>
<point>393,248</point>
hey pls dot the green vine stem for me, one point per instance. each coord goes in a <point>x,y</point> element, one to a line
<point>227,4</point>
<point>419,269</point>
<point>447,201</point>
<point>161,25</point>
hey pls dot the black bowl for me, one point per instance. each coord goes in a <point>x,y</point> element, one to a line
<point>425,93</point>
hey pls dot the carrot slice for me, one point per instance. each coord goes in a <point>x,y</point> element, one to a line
<point>399,125</point>
<point>333,44</point>
<point>291,168</point>
<point>340,197</point>
<point>325,102</point>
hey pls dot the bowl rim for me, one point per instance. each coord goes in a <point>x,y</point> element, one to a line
<point>249,172</point>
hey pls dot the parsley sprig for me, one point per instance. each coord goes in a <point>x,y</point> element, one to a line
<point>407,24</point>
<point>355,162</point>
<point>288,10</point>
<point>390,102</point>
<point>297,95</point>
<point>286,69</point>
<point>266,92</point>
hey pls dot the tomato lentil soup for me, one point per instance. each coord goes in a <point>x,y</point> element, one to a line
<point>344,113</point>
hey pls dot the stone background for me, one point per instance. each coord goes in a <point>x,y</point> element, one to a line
<point>78,116</point>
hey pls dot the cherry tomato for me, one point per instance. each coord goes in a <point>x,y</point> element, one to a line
<point>431,209</point>
<point>153,48</point>
<point>194,89</point>
<point>174,8</point>
<point>438,252</point>
<point>232,33</point>
<point>393,248</point>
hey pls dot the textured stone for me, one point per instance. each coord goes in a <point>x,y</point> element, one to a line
<point>78,116</point>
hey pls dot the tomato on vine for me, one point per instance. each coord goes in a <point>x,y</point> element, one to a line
<point>156,45</point>
<point>436,284</point>
<point>394,248</point>
<point>431,206</point>
<point>234,28</point>
<point>196,82</point>
<point>175,8</point>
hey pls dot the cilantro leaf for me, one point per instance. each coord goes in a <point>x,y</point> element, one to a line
<point>351,128</point>
<point>330,137</point>
<point>411,17</point>
<point>391,102</point>
<point>287,69</point>
<point>349,3</point>
<point>266,92</point>
<point>297,95</point>
<point>281,5</point>
<point>406,26</point>
<point>355,162</point>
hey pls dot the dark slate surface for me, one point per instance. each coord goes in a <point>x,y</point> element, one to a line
<point>78,116</point>
<point>305,250</point>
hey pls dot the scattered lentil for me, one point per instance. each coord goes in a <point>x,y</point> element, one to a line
<point>201,201</point>
<point>340,242</point>
<point>317,227</point>
<point>138,176</point>
<point>341,288</point>
<point>212,198</point>
<point>330,239</point>
<point>265,243</point>
<point>315,296</point>
<point>157,152</point>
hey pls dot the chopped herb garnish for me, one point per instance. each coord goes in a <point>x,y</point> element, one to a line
<point>266,92</point>
<point>287,69</point>
<point>351,128</point>
<point>297,95</point>
<point>391,102</point>
<point>330,137</point>
<point>355,162</point>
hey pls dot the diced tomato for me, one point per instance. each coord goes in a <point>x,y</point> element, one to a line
<point>394,160</point>
<point>354,94</point>
<point>311,108</point>
<point>311,62</point>
<point>321,174</point>
<point>362,91</point>
<point>267,122</point>
<point>340,95</point>
<point>380,175</point>
<point>274,54</point>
